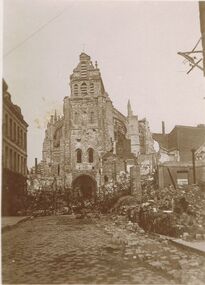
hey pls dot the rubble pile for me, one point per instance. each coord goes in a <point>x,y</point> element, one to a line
<point>174,212</point>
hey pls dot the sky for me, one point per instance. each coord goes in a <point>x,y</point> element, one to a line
<point>135,45</point>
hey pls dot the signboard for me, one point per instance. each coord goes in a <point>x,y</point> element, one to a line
<point>182,181</point>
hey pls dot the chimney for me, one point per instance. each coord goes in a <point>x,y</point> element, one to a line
<point>163,128</point>
<point>36,165</point>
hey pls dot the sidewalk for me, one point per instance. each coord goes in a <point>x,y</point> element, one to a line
<point>198,246</point>
<point>8,222</point>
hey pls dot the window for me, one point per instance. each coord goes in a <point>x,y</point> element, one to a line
<point>6,157</point>
<point>91,117</point>
<point>75,89</point>
<point>79,155</point>
<point>6,125</point>
<point>15,161</point>
<point>21,138</point>
<point>91,88</point>
<point>18,163</point>
<point>90,155</point>
<point>11,158</point>
<point>25,141</point>
<point>24,164</point>
<point>18,135</point>
<point>14,131</point>
<point>10,128</point>
<point>83,88</point>
<point>83,69</point>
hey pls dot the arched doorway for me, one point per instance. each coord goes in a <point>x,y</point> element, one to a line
<point>85,186</point>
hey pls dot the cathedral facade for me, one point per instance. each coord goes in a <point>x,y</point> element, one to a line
<point>79,145</point>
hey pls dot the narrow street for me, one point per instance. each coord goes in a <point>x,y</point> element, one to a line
<point>60,249</point>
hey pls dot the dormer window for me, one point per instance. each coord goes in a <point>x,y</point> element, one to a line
<point>83,88</point>
<point>75,90</point>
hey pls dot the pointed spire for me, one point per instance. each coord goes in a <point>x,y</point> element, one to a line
<point>129,109</point>
<point>55,116</point>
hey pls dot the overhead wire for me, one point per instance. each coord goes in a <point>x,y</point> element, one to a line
<point>33,34</point>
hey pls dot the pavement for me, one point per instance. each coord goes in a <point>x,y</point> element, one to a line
<point>9,222</point>
<point>64,250</point>
<point>192,245</point>
<point>185,266</point>
<point>197,245</point>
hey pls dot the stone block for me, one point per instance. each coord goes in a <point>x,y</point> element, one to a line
<point>199,236</point>
<point>185,236</point>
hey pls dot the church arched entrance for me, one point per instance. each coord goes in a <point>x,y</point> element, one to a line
<point>85,186</point>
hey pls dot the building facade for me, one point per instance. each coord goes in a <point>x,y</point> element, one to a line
<point>180,141</point>
<point>79,144</point>
<point>14,155</point>
<point>175,155</point>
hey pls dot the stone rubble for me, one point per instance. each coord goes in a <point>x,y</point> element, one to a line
<point>176,213</point>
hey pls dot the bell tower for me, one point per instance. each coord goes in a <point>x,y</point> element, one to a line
<point>86,81</point>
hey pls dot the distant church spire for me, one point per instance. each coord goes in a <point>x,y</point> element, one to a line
<point>55,116</point>
<point>129,109</point>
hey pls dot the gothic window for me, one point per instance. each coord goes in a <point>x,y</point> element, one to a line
<point>91,88</point>
<point>79,155</point>
<point>91,117</point>
<point>83,88</point>
<point>76,89</point>
<point>90,155</point>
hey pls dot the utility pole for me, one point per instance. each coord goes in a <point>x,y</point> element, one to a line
<point>194,166</point>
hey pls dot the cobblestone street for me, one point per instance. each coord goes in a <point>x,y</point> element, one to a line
<point>60,249</point>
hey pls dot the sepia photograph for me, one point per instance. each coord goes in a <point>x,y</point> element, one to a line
<point>103,142</point>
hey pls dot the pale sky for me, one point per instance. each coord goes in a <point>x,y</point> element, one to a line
<point>135,44</point>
